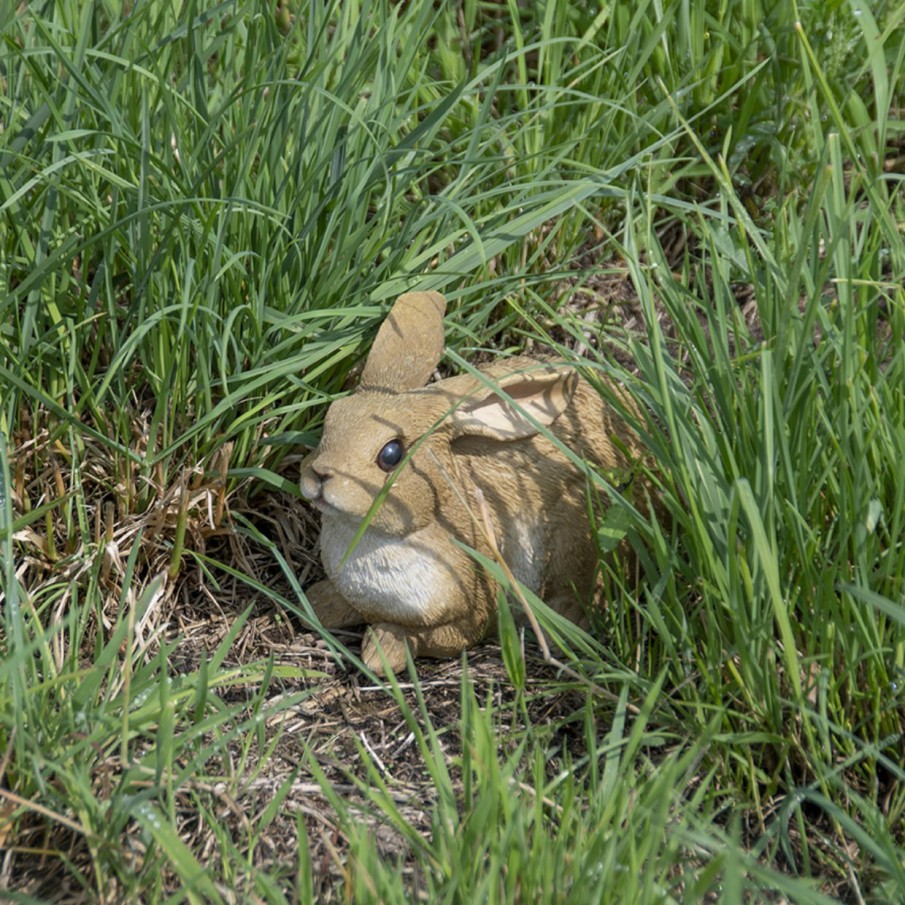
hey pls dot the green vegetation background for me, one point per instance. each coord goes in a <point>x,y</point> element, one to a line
<point>204,210</point>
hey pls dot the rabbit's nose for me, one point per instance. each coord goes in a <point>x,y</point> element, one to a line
<point>313,479</point>
<point>322,471</point>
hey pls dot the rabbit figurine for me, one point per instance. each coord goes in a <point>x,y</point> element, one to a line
<point>409,575</point>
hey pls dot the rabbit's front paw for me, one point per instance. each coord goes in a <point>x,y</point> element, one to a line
<point>390,641</point>
<point>434,641</point>
<point>330,607</point>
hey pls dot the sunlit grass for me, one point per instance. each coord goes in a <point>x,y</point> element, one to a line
<point>203,213</point>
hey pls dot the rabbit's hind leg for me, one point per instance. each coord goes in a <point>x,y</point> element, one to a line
<point>570,606</point>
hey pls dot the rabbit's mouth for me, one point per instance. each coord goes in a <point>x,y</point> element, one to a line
<point>321,503</point>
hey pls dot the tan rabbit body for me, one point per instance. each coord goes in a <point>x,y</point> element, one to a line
<point>409,576</point>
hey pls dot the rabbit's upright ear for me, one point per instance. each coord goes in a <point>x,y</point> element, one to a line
<point>539,398</point>
<point>408,345</point>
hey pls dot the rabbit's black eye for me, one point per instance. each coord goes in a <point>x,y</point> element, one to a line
<point>390,455</point>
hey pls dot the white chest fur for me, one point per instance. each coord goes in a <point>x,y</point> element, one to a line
<point>386,578</point>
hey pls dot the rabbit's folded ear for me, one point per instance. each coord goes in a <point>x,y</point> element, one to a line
<point>408,345</point>
<point>540,397</point>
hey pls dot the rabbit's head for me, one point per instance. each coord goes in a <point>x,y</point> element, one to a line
<point>396,428</point>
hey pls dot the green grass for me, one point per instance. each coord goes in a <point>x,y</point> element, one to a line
<point>203,214</point>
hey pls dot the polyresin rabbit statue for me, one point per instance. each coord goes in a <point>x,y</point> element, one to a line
<point>409,576</point>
